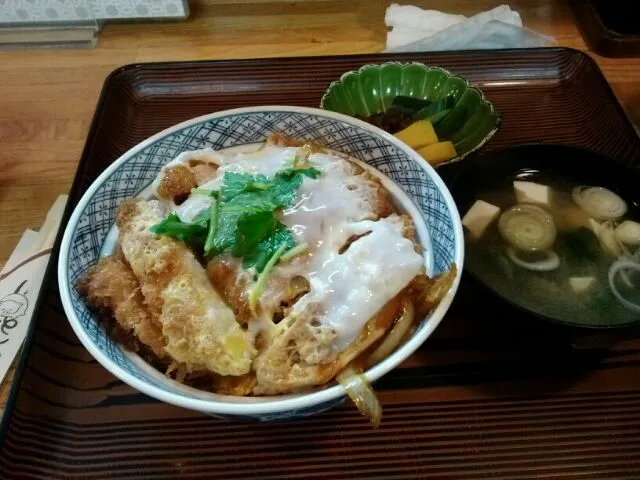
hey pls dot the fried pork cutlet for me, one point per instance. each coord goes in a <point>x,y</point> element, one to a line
<point>304,352</point>
<point>318,311</point>
<point>303,357</point>
<point>193,168</point>
<point>111,288</point>
<point>199,329</point>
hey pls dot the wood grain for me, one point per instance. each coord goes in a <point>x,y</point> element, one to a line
<point>47,98</point>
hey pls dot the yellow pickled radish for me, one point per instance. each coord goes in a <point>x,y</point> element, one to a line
<point>438,152</point>
<point>418,134</point>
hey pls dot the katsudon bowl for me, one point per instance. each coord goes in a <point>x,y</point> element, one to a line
<point>414,187</point>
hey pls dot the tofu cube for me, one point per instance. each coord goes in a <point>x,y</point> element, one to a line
<point>530,192</point>
<point>479,217</point>
<point>580,284</point>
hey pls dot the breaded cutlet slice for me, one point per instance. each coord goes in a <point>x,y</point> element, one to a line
<point>110,287</point>
<point>304,355</point>
<point>282,367</point>
<point>199,328</point>
<point>176,180</point>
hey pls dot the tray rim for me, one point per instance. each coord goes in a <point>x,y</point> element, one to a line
<point>77,190</point>
<point>378,57</point>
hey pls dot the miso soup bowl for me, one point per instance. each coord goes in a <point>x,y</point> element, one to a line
<point>415,186</point>
<point>547,164</point>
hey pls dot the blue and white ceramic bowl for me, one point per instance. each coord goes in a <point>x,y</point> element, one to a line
<point>128,176</point>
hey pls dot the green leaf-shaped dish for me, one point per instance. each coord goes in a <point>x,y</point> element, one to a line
<point>372,88</point>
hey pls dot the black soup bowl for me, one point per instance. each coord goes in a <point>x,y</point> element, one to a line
<point>545,230</point>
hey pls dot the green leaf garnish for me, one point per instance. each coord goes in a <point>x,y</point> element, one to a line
<point>288,173</point>
<point>257,289</point>
<point>172,226</point>
<point>242,218</point>
<point>237,183</point>
<point>286,182</point>
<point>213,224</point>
<point>295,251</point>
<point>252,228</point>
<point>260,255</point>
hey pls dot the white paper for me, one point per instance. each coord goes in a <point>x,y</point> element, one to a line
<point>442,31</point>
<point>490,35</point>
<point>409,16</point>
<point>20,282</point>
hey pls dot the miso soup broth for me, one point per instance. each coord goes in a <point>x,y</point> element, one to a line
<point>562,250</point>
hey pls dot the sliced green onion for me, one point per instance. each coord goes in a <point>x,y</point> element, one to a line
<point>213,225</point>
<point>527,227</point>
<point>297,250</point>
<point>599,203</point>
<point>257,289</point>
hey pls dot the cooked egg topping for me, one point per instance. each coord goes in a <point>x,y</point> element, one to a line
<point>354,263</point>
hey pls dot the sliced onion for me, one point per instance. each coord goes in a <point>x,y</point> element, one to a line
<point>360,392</point>
<point>301,159</point>
<point>599,203</point>
<point>608,239</point>
<point>620,266</point>
<point>626,279</point>
<point>628,232</point>
<point>395,335</point>
<point>550,262</point>
<point>625,275</point>
<point>527,227</point>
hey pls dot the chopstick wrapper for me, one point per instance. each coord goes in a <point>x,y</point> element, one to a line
<point>20,283</point>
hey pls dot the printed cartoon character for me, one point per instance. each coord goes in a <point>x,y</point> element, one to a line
<point>12,307</point>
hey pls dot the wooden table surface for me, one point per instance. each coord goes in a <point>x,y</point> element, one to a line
<point>47,98</point>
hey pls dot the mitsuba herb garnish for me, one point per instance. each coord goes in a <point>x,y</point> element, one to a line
<point>242,220</point>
